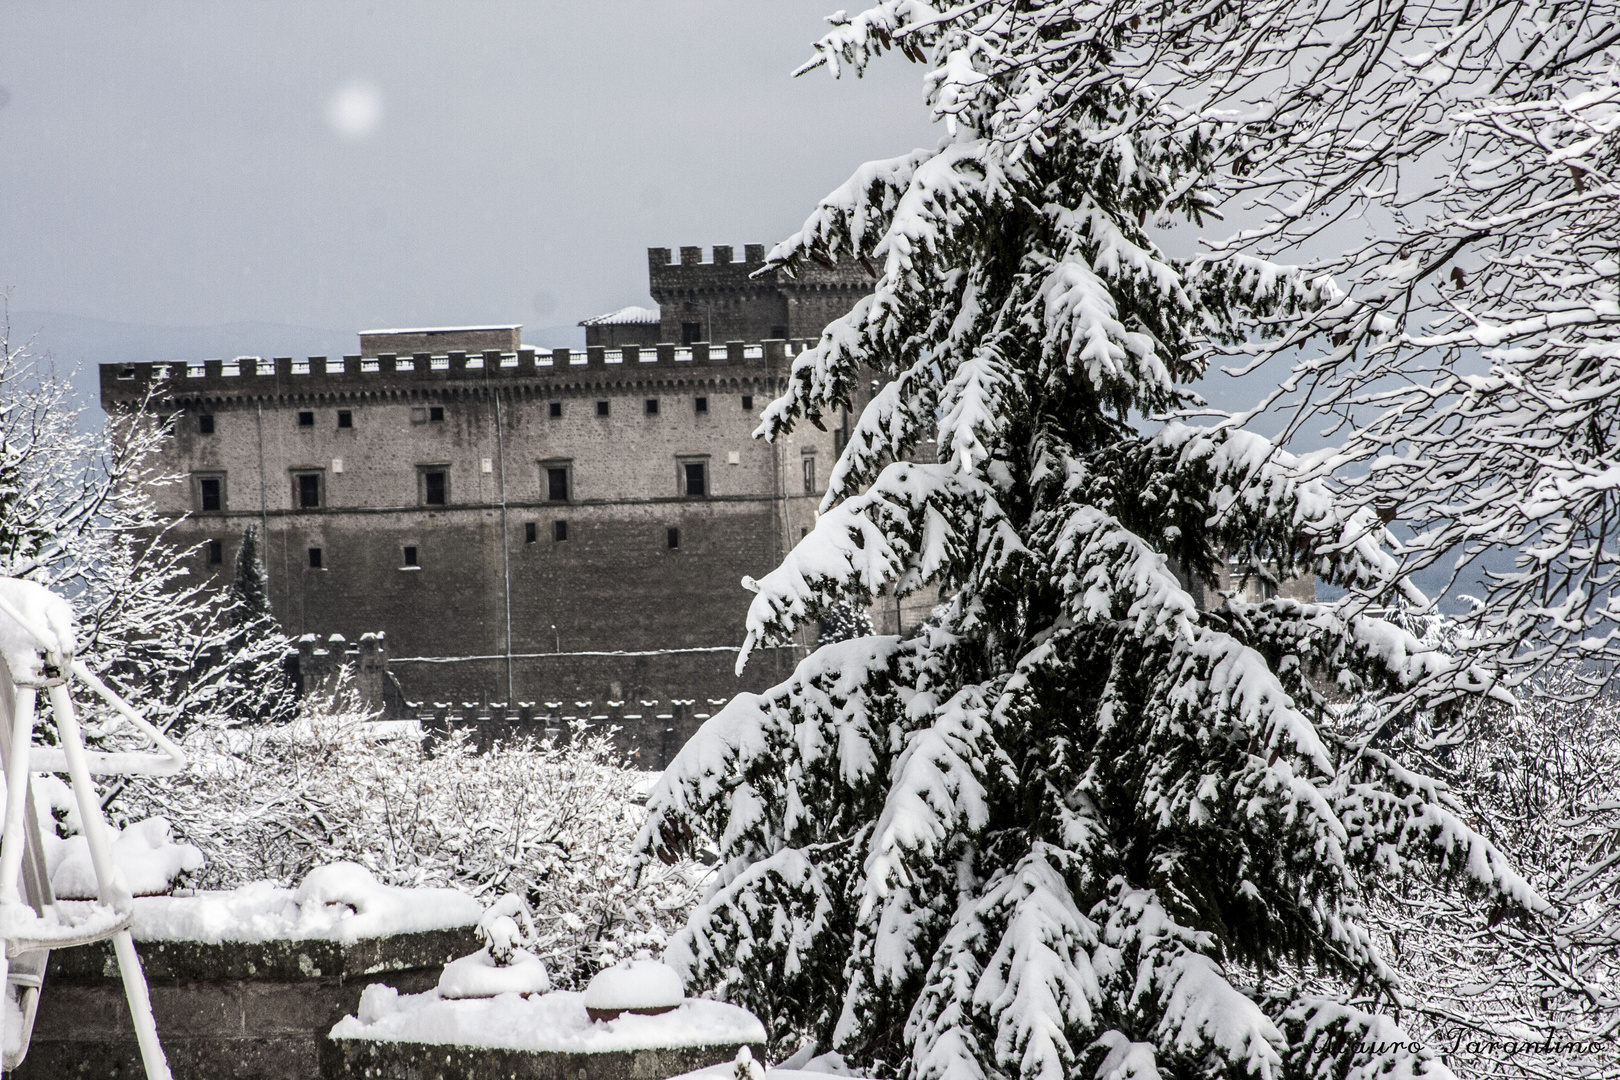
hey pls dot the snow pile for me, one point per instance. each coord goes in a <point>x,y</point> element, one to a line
<point>145,854</point>
<point>42,610</point>
<point>341,903</point>
<point>637,986</point>
<point>479,976</point>
<point>554,1022</point>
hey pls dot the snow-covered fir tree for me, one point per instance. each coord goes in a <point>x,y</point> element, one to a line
<point>1074,825</point>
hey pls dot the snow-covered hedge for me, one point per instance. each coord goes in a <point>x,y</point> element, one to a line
<point>552,823</point>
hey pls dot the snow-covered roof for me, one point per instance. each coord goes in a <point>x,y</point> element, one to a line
<point>624,315</point>
<point>446,329</point>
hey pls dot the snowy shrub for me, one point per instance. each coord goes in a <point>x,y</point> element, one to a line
<point>553,824</point>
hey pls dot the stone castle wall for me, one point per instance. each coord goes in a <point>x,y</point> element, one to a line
<point>492,424</point>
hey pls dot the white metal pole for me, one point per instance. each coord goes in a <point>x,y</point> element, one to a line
<point>95,834</point>
<point>11,845</point>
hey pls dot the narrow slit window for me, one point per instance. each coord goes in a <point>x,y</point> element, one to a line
<point>531,532</point>
<point>559,530</point>
<point>673,539</point>
<point>808,466</point>
<point>315,558</point>
<point>410,557</point>
<point>216,553</point>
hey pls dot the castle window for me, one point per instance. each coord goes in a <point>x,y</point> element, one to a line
<point>601,408</point>
<point>673,538</point>
<point>211,493</point>
<point>307,490</point>
<point>409,557</point>
<point>531,532</point>
<point>306,419</point>
<point>559,480</point>
<point>779,332</point>
<point>314,558</point>
<point>695,479</point>
<point>436,414</point>
<point>652,406</point>
<point>808,465</point>
<point>748,403</point>
<point>701,404</point>
<point>205,424</point>
<point>559,530</point>
<point>691,332</point>
<point>554,410</point>
<point>435,486</point>
<point>216,553</point>
<point>345,418</point>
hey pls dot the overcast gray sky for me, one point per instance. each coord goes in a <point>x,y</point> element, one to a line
<point>348,165</point>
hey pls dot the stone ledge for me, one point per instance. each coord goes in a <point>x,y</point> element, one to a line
<point>342,1059</point>
<point>270,961</point>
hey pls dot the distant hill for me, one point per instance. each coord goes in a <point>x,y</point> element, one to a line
<point>78,344</point>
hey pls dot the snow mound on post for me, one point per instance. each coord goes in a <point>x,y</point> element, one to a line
<point>555,1022</point>
<point>635,984</point>
<point>478,976</point>
<point>145,854</point>
<point>44,611</point>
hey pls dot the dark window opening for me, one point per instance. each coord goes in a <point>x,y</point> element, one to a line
<point>205,424</point>
<point>314,558</point>
<point>701,404</point>
<point>433,488</point>
<point>216,553</point>
<point>554,409</point>
<point>809,466</point>
<point>531,532</point>
<point>410,557</point>
<point>803,532</point>
<point>557,483</point>
<point>436,414</point>
<point>691,332</point>
<point>559,531</point>
<point>673,539</point>
<point>695,475</point>
<point>601,408</point>
<point>309,491</point>
<point>345,418</point>
<point>306,419</point>
<point>652,406</point>
<point>211,492</point>
<point>778,331</point>
<point>748,403</point>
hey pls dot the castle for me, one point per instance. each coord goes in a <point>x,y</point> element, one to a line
<point>539,526</point>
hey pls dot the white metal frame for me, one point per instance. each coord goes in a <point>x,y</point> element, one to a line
<point>33,924</point>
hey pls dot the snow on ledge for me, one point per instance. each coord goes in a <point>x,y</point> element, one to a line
<point>341,902</point>
<point>625,316</point>
<point>554,1023</point>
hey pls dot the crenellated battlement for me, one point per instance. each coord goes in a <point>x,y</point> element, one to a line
<point>256,376</point>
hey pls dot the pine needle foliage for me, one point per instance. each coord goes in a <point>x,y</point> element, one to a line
<point>1075,825</point>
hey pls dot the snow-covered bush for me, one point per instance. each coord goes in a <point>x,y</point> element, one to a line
<point>553,824</point>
